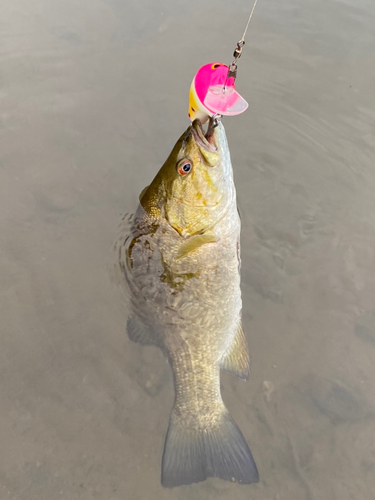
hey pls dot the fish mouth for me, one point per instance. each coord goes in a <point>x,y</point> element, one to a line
<point>204,140</point>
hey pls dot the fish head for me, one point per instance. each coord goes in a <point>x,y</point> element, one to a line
<point>194,188</point>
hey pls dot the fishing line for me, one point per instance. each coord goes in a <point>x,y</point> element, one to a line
<point>232,68</point>
<point>248,22</point>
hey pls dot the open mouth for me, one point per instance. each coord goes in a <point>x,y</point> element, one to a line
<point>204,139</point>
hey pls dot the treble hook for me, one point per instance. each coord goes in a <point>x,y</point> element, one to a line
<point>214,122</point>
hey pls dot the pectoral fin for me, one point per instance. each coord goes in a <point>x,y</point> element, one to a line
<point>237,359</point>
<point>193,243</point>
<point>139,333</point>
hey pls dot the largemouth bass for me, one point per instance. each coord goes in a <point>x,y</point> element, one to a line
<point>181,262</point>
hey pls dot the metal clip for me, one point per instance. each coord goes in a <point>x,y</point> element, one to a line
<point>238,50</point>
<point>232,71</point>
<point>232,68</point>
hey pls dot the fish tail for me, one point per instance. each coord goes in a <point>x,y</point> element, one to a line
<point>190,456</point>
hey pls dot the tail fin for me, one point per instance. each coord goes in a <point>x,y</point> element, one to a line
<point>191,456</point>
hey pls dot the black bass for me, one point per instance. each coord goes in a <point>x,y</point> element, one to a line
<point>181,262</point>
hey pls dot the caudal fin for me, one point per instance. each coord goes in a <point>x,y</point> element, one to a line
<point>191,456</point>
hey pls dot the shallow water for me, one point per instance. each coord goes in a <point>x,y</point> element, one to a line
<point>93,96</point>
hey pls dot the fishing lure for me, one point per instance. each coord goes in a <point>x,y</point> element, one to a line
<point>213,89</point>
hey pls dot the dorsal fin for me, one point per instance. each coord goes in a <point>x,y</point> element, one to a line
<point>143,192</point>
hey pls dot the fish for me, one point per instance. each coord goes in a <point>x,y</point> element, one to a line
<point>181,263</point>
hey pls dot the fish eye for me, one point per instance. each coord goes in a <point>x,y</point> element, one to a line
<point>184,167</point>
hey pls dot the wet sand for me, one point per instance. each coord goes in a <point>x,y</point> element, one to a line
<point>93,96</point>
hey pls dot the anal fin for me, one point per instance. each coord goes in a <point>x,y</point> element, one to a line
<point>139,333</point>
<point>237,359</point>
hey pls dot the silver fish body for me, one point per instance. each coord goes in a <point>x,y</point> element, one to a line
<point>181,262</point>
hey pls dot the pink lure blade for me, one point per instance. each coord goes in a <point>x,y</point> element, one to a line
<point>228,103</point>
<point>211,92</point>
